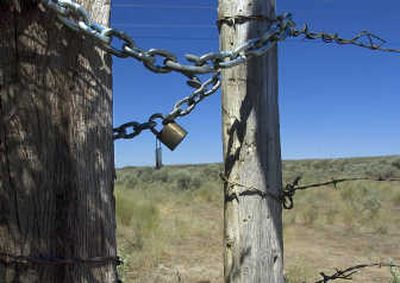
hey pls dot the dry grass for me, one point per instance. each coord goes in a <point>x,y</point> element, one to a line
<point>170,222</point>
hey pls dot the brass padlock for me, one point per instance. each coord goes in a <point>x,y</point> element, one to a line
<point>171,135</point>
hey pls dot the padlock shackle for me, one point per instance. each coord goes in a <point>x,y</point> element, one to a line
<point>158,152</point>
<point>152,120</point>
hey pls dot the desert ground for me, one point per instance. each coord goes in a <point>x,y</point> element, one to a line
<point>170,221</point>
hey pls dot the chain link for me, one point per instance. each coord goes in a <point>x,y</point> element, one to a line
<point>186,105</point>
<point>132,129</point>
<point>182,108</point>
<point>74,16</point>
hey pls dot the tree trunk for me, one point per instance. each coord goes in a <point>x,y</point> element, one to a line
<point>253,223</point>
<point>56,149</point>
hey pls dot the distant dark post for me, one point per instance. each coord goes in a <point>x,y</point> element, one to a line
<point>56,149</point>
<point>253,224</point>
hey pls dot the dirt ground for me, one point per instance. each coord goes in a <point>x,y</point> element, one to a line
<point>170,235</point>
<point>198,257</point>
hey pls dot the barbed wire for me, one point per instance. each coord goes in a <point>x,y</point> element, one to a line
<point>52,260</point>
<point>8,258</point>
<point>364,39</point>
<point>249,190</point>
<point>286,196</point>
<point>347,273</point>
<point>292,187</point>
<point>75,17</point>
<point>295,184</point>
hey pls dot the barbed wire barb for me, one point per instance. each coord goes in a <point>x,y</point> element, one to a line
<point>347,273</point>
<point>364,39</point>
<point>286,197</point>
<point>334,182</point>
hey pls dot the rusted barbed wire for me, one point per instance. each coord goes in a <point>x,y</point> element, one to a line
<point>334,182</point>
<point>249,190</point>
<point>364,39</point>
<point>347,273</point>
<point>287,194</point>
<point>291,187</point>
<point>54,260</point>
<point>8,258</point>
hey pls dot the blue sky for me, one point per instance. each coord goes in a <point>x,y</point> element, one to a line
<point>335,101</point>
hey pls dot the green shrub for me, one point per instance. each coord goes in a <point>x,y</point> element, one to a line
<point>145,174</point>
<point>395,272</point>
<point>211,172</point>
<point>184,180</point>
<point>371,204</point>
<point>396,163</point>
<point>381,170</point>
<point>161,175</point>
<point>131,181</point>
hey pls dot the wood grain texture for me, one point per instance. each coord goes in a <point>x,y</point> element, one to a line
<point>253,225</point>
<point>56,147</point>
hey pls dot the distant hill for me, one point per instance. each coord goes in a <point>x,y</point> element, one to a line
<point>192,176</point>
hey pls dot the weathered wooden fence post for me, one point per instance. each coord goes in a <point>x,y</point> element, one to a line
<point>253,224</point>
<point>56,149</point>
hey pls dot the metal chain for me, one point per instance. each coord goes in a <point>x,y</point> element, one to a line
<point>132,129</point>
<point>186,105</point>
<point>74,16</point>
<point>182,108</point>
